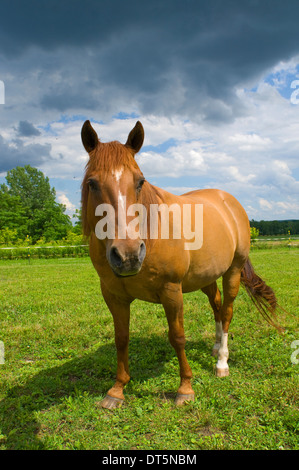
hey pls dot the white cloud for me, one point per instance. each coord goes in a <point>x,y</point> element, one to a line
<point>249,142</point>
<point>264,204</point>
<point>286,206</point>
<point>275,209</point>
<point>63,199</point>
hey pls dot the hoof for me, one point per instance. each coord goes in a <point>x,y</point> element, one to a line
<point>183,398</point>
<point>111,402</point>
<point>222,372</point>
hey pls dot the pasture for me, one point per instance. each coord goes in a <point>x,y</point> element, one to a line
<point>60,360</point>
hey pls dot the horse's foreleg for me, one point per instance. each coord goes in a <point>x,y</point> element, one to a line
<point>172,301</point>
<point>121,317</point>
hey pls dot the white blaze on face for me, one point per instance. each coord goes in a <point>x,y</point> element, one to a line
<point>121,200</point>
<point>117,174</point>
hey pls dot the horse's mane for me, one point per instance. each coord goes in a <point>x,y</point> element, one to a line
<point>107,157</point>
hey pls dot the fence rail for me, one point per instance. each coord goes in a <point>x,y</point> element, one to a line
<point>73,246</point>
<point>273,239</point>
<point>34,247</point>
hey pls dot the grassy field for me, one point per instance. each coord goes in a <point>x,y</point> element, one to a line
<point>60,360</point>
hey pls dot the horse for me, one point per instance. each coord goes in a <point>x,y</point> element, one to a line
<point>160,269</point>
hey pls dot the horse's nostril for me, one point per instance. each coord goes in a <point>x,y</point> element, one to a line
<point>115,257</point>
<point>142,251</point>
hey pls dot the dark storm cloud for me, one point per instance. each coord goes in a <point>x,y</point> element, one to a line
<point>167,56</point>
<point>20,154</point>
<point>26,129</point>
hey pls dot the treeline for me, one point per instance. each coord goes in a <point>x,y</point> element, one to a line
<point>29,212</point>
<point>276,227</point>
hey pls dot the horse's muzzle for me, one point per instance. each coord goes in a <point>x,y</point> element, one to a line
<point>126,259</point>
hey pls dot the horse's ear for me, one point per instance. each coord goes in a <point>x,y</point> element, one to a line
<point>89,137</point>
<point>136,137</point>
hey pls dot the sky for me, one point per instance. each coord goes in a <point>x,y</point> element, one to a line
<point>214,83</point>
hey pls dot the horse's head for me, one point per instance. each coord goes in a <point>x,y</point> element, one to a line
<point>112,184</point>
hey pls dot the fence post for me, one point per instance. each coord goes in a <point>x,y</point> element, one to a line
<point>28,241</point>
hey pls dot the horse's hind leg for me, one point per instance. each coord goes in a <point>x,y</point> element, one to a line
<point>231,283</point>
<point>214,297</point>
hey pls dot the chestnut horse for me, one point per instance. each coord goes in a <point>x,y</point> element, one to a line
<point>160,270</point>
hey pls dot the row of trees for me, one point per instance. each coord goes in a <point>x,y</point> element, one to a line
<point>29,211</point>
<point>276,227</point>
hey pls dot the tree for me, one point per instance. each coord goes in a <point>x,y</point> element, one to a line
<point>254,233</point>
<point>78,223</point>
<point>276,227</point>
<point>50,222</point>
<point>12,213</point>
<point>31,186</point>
<point>29,205</point>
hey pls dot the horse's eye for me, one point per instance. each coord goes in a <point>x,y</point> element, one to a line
<point>93,184</point>
<point>140,184</point>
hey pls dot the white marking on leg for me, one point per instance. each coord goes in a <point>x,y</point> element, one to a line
<point>223,352</point>
<point>216,346</point>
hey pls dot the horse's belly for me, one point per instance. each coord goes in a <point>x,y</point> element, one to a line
<point>198,281</point>
<point>206,268</point>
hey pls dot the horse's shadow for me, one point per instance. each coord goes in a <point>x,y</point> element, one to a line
<point>92,373</point>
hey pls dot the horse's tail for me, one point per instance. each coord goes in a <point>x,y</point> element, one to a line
<point>261,294</point>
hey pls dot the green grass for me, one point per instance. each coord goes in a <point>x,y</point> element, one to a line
<point>60,360</point>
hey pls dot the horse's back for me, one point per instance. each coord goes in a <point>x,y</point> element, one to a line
<point>227,210</point>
